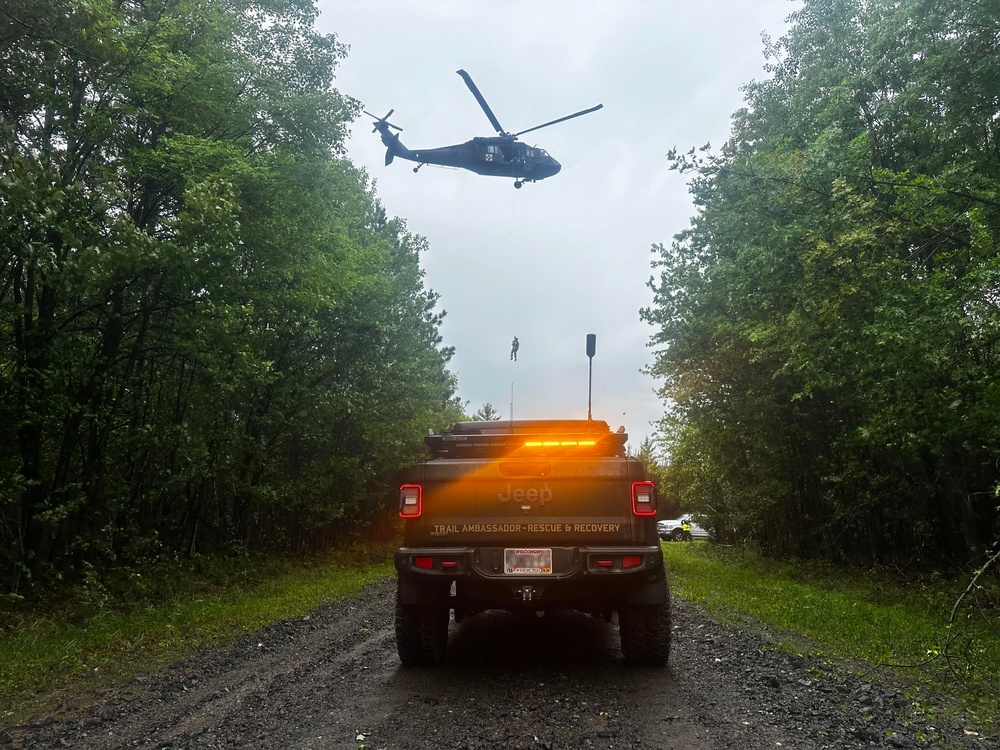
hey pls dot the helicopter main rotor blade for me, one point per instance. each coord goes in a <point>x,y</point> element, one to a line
<point>482,102</point>
<point>561,119</point>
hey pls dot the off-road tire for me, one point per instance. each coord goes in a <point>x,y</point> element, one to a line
<point>645,633</point>
<point>421,633</point>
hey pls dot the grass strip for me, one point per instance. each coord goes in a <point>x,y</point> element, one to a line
<point>74,648</point>
<point>860,616</point>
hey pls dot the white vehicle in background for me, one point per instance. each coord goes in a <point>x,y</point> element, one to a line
<point>672,530</point>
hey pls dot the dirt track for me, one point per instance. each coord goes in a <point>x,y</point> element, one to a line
<point>332,680</point>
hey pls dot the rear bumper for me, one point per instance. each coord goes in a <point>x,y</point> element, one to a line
<point>582,577</point>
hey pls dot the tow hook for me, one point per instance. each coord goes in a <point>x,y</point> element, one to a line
<point>527,594</point>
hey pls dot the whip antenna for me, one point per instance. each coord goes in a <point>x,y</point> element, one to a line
<point>591,349</point>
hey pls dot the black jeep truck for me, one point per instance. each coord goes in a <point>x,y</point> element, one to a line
<point>530,515</point>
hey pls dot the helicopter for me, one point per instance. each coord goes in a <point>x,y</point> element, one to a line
<point>501,155</point>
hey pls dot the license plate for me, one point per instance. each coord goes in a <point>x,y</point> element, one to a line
<point>527,562</point>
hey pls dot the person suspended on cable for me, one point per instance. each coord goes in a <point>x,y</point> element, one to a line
<point>513,349</point>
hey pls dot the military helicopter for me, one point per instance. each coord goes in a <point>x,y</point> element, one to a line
<point>501,155</point>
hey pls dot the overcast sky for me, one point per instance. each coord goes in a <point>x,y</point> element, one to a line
<point>569,255</point>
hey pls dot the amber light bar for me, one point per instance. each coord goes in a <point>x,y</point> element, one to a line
<point>557,443</point>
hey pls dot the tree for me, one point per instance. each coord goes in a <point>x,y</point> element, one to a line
<point>487,413</point>
<point>827,329</point>
<point>211,333</point>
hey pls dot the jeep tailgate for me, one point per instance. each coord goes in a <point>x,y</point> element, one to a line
<point>553,501</point>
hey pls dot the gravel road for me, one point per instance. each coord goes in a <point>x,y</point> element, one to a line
<point>332,680</point>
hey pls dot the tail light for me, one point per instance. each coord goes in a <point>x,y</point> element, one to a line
<point>643,499</point>
<point>411,500</point>
<point>614,563</point>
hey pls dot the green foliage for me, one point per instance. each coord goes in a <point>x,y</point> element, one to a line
<point>487,413</point>
<point>828,329</point>
<point>856,615</point>
<point>212,335</point>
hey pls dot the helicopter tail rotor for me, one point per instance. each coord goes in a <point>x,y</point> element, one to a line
<point>389,139</point>
<point>384,121</point>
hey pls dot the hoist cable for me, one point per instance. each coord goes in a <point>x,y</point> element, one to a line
<point>513,262</point>
<point>513,290</point>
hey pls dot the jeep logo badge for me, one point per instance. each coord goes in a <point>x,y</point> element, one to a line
<point>540,495</point>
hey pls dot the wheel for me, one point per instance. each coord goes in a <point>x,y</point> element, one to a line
<point>518,184</point>
<point>421,633</point>
<point>677,534</point>
<point>645,633</point>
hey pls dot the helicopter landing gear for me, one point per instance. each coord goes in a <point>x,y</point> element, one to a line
<point>417,168</point>
<point>518,183</point>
